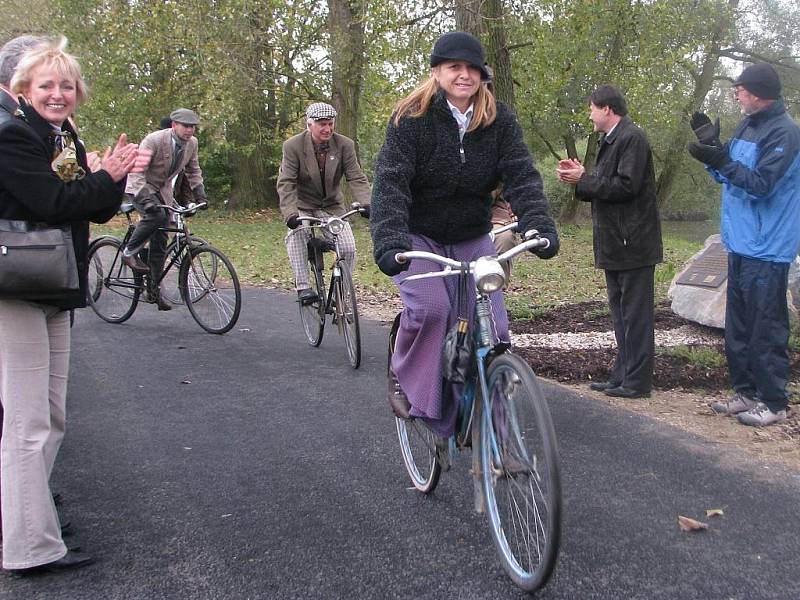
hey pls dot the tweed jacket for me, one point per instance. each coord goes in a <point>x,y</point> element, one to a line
<point>31,191</point>
<point>155,178</point>
<point>429,182</point>
<point>299,182</point>
<point>622,190</point>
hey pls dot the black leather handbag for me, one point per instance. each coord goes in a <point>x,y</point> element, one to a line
<point>36,260</point>
<point>457,354</point>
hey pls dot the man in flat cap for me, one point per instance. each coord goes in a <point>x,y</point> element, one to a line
<point>759,169</point>
<point>174,152</point>
<point>309,179</point>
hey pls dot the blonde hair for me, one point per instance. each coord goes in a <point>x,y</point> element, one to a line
<point>419,101</point>
<point>52,55</point>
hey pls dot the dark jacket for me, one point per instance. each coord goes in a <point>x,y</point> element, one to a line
<point>31,191</point>
<point>622,190</point>
<point>428,182</point>
<point>7,106</point>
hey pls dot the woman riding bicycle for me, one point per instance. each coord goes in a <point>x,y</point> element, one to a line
<point>448,145</point>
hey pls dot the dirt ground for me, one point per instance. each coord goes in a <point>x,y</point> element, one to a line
<point>682,391</point>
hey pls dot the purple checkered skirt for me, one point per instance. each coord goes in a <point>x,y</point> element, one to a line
<point>431,309</point>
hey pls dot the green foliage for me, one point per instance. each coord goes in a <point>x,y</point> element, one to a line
<point>704,357</point>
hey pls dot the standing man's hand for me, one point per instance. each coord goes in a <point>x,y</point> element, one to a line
<point>713,156</point>
<point>706,133</point>
<point>570,171</point>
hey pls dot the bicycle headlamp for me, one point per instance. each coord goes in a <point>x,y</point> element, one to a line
<point>336,226</point>
<point>489,275</point>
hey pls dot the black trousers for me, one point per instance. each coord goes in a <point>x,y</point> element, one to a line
<point>757,329</point>
<point>147,229</point>
<point>630,297</point>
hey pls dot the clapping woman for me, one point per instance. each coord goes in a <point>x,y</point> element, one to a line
<point>45,177</point>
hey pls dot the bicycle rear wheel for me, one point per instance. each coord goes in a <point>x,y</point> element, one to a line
<point>520,470</point>
<point>170,281</point>
<point>417,442</point>
<point>112,288</point>
<point>210,289</point>
<point>312,315</point>
<point>347,313</point>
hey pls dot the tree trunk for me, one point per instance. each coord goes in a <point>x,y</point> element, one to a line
<point>497,52</point>
<point>676,151</point>
<point>348,57</point>
<point>469,18</point>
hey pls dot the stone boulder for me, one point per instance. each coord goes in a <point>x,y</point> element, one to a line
<point>706,305</point>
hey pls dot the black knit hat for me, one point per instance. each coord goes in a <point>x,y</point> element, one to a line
<point>458,45</point>
<point>760,79</point>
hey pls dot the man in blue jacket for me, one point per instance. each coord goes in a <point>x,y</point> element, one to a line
<point>759,169</point>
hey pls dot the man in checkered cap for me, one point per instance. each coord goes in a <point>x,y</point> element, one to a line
<point>313,165</point>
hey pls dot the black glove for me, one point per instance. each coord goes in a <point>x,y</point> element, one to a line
<point>551,250</point>
<point>364,211</point>
<point>293,222</point>
<point>713,156</point>
<point>706,133</point>
<point>199,195</point>
<point>150,204</point>
<point>389,266</point>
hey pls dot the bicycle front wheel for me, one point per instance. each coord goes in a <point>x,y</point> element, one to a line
<point>347,313</point>
<point>210,288</point>
<point>417,442</point>
<point>170,286</point>
<point>312,315</point>
<point>112,288</point>
<point>520,470</point>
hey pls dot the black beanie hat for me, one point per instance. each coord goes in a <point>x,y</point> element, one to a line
<point>458,45</point>
<point>760,79</point>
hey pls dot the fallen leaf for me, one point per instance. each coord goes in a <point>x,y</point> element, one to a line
<point>687,524</point>
<point>714,512</point>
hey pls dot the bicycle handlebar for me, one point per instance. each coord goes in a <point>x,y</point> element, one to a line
<point>310,221</point>
<point>453,267</point>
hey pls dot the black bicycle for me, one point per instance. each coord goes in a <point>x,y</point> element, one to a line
<point>340,300</point>
<point>206,279</point>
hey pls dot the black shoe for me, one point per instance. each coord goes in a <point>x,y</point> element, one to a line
<point>71,560</point>
<point>624,392</point>
<point>602,386</point>
<point>443,452</point>
<point>397,398</point>
<point>307,296</point>
<point>162,304</point>
<point>135,264</point>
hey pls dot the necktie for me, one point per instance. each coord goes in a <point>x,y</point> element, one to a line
<point>176,158</point>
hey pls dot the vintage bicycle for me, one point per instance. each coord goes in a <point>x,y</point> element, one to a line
<point>340,300</point>
<point>504,418</point>
<point>206,279</point>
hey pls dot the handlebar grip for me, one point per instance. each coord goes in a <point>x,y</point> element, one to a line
<point>400,258</point>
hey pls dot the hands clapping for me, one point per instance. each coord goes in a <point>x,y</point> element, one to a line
<point>570,170</point>
<point>123,159</point>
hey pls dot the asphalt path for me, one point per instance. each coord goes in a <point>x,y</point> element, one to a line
<point>251,465</point>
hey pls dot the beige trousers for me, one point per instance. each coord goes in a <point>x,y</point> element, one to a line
<point>34,365</point>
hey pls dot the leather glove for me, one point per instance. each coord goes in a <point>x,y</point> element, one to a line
<point>150,204</point>
<point>706,133</point>
<point>713,156</point>
<point>199,194</point>
<point>552,249</point>
<point>389,266</point>
<point>364,211</point>
<point>293,222</point>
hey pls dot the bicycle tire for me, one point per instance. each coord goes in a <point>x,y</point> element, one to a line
<point>312,315</point>
<point>520,472</point>
<point>417,442</point>
<point>170,279</point>
<point>210,288</point>
<point>113,289</point>
<point>347,313</point>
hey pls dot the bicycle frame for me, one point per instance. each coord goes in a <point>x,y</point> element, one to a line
<point>489,277</point>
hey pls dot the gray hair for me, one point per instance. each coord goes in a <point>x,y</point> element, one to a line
<point>11,53</point>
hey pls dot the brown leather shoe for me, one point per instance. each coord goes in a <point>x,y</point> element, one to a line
<point>397,398</point>
<point>135,264</point>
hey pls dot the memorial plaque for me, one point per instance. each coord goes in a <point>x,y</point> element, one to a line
<point>709,270</point>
